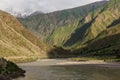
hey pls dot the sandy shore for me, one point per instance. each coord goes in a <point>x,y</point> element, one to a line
<point>82,62</point>
<point>92,62</point>
<point>54,62</point>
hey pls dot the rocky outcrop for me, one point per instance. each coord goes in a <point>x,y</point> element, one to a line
<point>9,70</point>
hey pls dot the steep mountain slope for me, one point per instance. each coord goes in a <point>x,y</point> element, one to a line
<point>108,38</point>
<point>96,22</point>
<point>57,27</point>
<point>17,42</point>
<point>106,44</point>
<point>104,38</point>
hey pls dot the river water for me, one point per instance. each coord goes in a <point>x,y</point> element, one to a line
<point>50,70</point>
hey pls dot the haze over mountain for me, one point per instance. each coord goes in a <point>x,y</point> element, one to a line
<point>27,7</point>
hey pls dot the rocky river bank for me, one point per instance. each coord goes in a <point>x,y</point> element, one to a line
<point>9,70</point>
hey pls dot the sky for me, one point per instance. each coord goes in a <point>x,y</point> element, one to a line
<point>30,6</point>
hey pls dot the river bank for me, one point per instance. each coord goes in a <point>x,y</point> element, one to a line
<point>9,70</point>
<point>53,62</point>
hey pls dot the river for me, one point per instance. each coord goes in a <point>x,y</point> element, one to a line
<point>54,70</point>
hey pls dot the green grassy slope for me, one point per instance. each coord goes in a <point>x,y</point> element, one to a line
<point>109,15</point>
<point>9,70</point>
<point>106,42</point>
<point>57,27</point>
<point>16,41</point>
<point>96,22</point>
<point>107,38</point>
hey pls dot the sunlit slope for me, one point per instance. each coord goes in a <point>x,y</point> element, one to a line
<point>106,41</point>
<point>57,27</point>
<point>96,22</point>
<point>15,41</point>
<point>107,38</point>
<point>106,44</point>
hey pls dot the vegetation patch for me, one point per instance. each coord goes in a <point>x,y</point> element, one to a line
<point>9,70</point>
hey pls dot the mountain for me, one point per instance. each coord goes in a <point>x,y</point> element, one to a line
<point>9,70</point>
<point>56,27</point>
<point>103,35</point>
<point>21,13</point>
<point>36,13</point>
<point>106,45</point>
<point>18,12</point>
<point>98,35</point>
<point>90,30</point>
<point>16,42</point>
<point>96,22</point>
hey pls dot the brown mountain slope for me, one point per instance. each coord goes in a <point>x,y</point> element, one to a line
<point>17,42</point>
